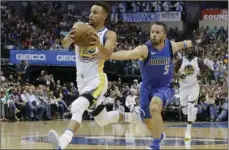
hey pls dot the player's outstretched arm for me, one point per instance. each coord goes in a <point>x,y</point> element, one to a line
<point>140,52</point>
<point>107,49</point>
<point>176,46</point>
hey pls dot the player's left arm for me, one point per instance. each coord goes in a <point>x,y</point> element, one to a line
<point>176,46</point>
<point>107,49</point>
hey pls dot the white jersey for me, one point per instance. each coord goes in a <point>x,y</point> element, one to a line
<point>191,70</point>
<point>90,73</point>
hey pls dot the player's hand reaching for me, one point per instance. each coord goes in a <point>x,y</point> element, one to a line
<point>71,34</point>
<point>69,39</point>
<point>96,41</point>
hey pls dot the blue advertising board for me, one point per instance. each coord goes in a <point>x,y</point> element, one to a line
<point>43,57</point>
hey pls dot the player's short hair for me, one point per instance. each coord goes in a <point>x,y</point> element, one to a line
<point>104,5</point>
<point>106,8</point>
<point>163,25</point>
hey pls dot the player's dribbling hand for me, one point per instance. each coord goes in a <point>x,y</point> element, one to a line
<point>96,41</point>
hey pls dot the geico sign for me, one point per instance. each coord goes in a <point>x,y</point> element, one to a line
<point>30,57</point>
<point>65,58</point>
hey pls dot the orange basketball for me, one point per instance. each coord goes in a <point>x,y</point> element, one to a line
<point>83,34</point>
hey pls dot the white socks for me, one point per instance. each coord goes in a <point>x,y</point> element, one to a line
<point>194,114</point>
<point>189,127</point>
<point>66,138</point>
<point>190,112</point>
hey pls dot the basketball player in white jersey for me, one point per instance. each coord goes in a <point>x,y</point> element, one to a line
<point>188,69</point>
<point>91,80</point>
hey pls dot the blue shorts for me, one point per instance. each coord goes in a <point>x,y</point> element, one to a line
<point>165,93</point>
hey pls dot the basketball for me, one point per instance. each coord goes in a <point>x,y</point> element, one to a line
<point>83,34</point>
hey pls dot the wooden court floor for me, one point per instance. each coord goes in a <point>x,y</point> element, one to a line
<point>33,135</point>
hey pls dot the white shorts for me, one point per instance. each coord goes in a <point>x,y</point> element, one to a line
<point>97,88</point>
<point>189,94</point>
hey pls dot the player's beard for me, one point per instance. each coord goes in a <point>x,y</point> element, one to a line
<point>156,42</point>
<point>190,56</point>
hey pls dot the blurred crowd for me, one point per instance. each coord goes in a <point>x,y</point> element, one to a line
<point>48,99</point>
<point>42,25</point>
<point>146,6</point>
<point>44,100</point>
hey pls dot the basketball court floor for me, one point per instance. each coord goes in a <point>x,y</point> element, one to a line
<point>33,135</point>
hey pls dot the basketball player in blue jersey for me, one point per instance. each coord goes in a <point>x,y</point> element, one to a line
<point>155,58</point>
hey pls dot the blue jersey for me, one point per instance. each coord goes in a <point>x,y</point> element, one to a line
<point>157,69</point>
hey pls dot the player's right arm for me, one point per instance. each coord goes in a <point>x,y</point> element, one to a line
<point>68,39</point>
<point>140,52</point>
<point>177,67</point>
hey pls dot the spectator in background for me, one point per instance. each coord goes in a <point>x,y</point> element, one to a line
<point>66,95</point>
<point>110,100</point>
<point>43,98</point>
<point>117,106</point>
<point>58,84</point>
<point>73,90</point>
<point>34,111</point>
<point>3,105</point>
<point>55,107</point>
<point>221,103</point>
<point>130,100</point>
<point>136,85</point>
<point>20,106</point>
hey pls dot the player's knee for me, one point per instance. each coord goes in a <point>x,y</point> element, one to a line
<point>156,105</point>
<point>191,105</point>
<point>78,107</point>
<point>80,104</point>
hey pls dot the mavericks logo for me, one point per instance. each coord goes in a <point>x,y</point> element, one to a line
<point>189,70</point>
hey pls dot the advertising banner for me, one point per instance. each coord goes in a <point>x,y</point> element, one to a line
<point>43,57</point>
<point>151,16</point>
<point>219,14</point>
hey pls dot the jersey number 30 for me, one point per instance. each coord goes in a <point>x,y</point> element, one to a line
<point>166,69</point>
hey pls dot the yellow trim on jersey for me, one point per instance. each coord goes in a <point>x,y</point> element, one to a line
<point>86,52</point>
<point>102,83</point>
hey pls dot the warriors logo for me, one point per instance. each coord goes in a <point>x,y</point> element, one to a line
<point>86,53</point>
<point>189,70</point>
